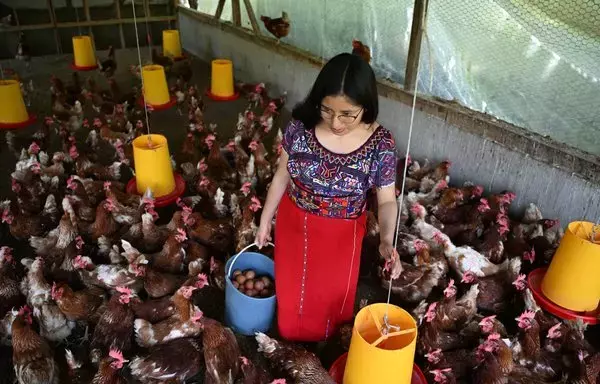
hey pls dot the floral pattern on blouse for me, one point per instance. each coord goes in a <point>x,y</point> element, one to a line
<point>336,185</point>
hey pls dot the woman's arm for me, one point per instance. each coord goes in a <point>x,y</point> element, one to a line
<point>387,211</point>
<point>280,182</point>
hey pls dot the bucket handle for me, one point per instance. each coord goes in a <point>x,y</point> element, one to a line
<point>386,335</point>
<point>239,253</point>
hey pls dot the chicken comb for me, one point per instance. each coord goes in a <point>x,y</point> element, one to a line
<point>6,253</point>
<point>203,182</point>
<point>107,185</point>
<point>549,223</point>
<point>202,166</point>
<point>53,291</point>
<point>434,356</point>
<point>440,375</point>
<point>70,182</point>
<point>244,360</point>
<point>493,336</point>
<point>279,381</point>
<point>210,138</point>
<point>256,205</point>
<point>529,255</point>
<point>581,355</point>
<point>119,359</point>
<point>79,242</point>
<point>139,124</point>
<point>97,122</point>
<point>520,283</point>
<point>202,281</point>
<point>213,264</point>
<point>430,314</point>
<point>450,290</point>
<point>253,146</point>
<point>468,277</point>
<point>34,148</point>
<point>246,187</point>
<point>181,235</point>
<point>123,290</point>
<point>439,238</point>
<point>73,152</point>
<point>487,323</point>
<point>442,184</point>
<point>187,290</point>
<point>419,245</point>
<point>524,320</point>
<point>197,316</point>
<point>554,332</point>
<point>477,191</point>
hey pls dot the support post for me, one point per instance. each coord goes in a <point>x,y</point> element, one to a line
<point>220,9</point>
<point>414,48</point>
<point>252,17</point>
<point>236,13</point>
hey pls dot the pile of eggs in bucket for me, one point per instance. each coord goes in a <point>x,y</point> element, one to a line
<point>252,285</point>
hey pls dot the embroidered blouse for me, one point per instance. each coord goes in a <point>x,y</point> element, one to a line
<point>336,185</point>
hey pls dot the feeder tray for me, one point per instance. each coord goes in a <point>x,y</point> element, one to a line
<point>83,68</point>
<point>535,284</point>
<point>179,58</point>
<point>162,201</point>
<point>214,97</point>
<point>161,107</point>
<point>336,371</point>
<point>32,118</point>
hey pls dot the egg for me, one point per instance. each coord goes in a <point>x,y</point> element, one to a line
<point>236,284</point>
<point>249,284</point>
<point>241,279</point>
<point>236,272</point>
<point>259,285</point>
<point>267,281</point>
<point>250,274</point>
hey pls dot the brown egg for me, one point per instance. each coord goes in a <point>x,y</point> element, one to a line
<point>267,281</point>
<point>242,289</point>
<point>236,272</point>
<point>241,279</point>
<point>259,285</point>
<point>265,293</point>
<point>250,274</point>
<point>235,284</point>
<point>249,284</point>
<point>251,292</point>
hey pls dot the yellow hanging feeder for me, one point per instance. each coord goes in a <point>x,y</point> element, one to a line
<point>172,44</point>
<point>156,92</point>
<point>572,280</point>
<point>13,113</point>
<point>221,83</point>
<point>379,353</point>
<point>84,57</point>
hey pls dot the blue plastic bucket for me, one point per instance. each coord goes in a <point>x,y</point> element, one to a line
<point>244,314</point>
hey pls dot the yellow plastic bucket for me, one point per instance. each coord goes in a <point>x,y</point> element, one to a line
<point>83,52</point>
<point>376,358</point>
<point>13,109</point>
<point>221,84</point>
<point>152,164</point>
<point>573,278</point>
<point>171,43</point>
<point>156,91</point>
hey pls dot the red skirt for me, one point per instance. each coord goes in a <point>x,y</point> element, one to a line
<point>317,261</point>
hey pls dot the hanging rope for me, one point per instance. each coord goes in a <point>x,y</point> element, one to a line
<point>77,17</point>
<point>137,42</point>
<point>148,33</point>
<point>401,198</point>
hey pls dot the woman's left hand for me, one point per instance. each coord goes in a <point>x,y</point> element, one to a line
<point>392,259</point>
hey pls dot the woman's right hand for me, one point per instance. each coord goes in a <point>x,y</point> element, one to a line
<point>263,234</point>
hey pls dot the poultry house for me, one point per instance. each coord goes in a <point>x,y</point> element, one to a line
<point>102,286</point>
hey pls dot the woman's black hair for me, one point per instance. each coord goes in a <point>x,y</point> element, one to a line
<point>345,74</point>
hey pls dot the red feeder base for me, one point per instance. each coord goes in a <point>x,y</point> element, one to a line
<point>81,68</point>
<point>23,124</point>
<point>235,96</point>
<point>182,57</point>
<point>162,201</point>
<point>160,107</point>
<point>336,371</point>
<point>535,284</point>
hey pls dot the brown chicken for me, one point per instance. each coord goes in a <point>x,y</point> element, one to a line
<point>279,27</point>
<point>79,305</point>
<point>115,327</point>
<point>460,362</point>
<point>32,356</point>
<point>163,363</point>
<point>362,50</point>
<point>453,314</point>
<point>109,370</point>
<point>10,294</point>
<point>221,353</point>
<point>495,361</point>
<point>297,362</point>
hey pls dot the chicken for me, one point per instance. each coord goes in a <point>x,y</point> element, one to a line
<point>108,276</point>
<point>108,66</point>
<point>452,314</point>
<point>115,327</point>
<point>157,284</point>
<point>416,282</point>
<point>187,321</point>
<point>298,363</point>
<point>498,292</point>
<point>362,50</point>
<point>495,361</point>
<point>279,27</point>
<point>432,338</point>
<point>78,369</point>
<point>154,310</point>
<point>252,374</point>
<point>246,231</point>
<point>10,293</point>
<point>79,305</point>
<point>163,362</point>
<point>109,370</point>
<point>32,356</point>
<point>221,353</point>
<point>460,362</point>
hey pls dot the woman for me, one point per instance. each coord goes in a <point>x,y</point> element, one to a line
<point>334,152</point>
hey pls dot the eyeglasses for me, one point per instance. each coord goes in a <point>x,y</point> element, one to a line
<point>327,113</point>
